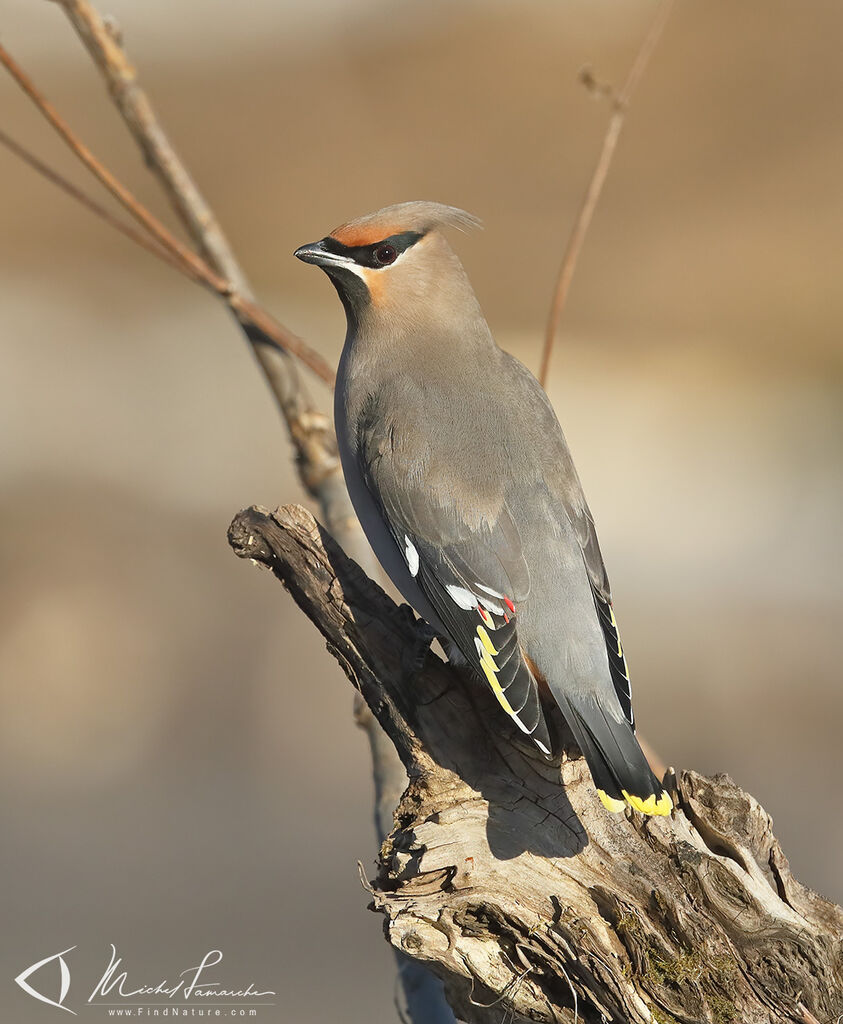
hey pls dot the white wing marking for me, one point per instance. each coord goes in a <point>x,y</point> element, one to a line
<point>411,556</point>
<point>461,597</point>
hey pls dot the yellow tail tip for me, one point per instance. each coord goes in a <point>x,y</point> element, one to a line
<point>663,805</point>
<point>609,802</point>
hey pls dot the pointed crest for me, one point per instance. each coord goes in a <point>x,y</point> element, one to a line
<point>394,220</point>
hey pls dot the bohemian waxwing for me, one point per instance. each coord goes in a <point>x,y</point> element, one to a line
<point>461,477</point>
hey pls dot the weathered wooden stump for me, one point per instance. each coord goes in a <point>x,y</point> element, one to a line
<point>505,875</point>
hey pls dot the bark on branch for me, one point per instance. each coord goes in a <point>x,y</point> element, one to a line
<point>505,875</point>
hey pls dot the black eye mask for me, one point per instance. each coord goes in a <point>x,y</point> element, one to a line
<point>375,256</point>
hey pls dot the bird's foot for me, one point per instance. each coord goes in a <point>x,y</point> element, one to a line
<point>414,655</point>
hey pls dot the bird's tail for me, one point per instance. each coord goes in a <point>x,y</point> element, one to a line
<point>620,771</point>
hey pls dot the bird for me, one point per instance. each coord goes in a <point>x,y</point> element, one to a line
<point>461,477</point>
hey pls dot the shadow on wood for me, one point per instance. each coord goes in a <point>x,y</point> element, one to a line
<point>506,876</point>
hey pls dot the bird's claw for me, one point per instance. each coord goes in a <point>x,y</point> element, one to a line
<point>414,655</point>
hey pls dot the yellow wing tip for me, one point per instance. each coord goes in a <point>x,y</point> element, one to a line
<point>609,802</point>
<point>486,641</point>
<point>661,806</point>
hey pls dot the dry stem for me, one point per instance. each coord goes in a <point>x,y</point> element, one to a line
<point>246,311</point>
<point>104,46</point>
<point>595,187</point>
<point>91,204</point>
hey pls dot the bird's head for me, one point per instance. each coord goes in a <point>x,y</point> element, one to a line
<point>394,263</point>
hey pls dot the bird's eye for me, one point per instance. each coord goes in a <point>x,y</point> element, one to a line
<point>386,254</point>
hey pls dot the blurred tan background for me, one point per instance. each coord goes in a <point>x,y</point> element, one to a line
<point>178,766</point>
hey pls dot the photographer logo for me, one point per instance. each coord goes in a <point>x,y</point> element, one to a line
<point>64,984</point>
<point>195,991</point>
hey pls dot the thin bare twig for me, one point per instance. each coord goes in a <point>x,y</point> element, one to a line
<point>193,265</point>
<point>595,187</point>
<point>316,451</point>
<point>96,208</point>
<point>116,188</point>
<point>105,48</point>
